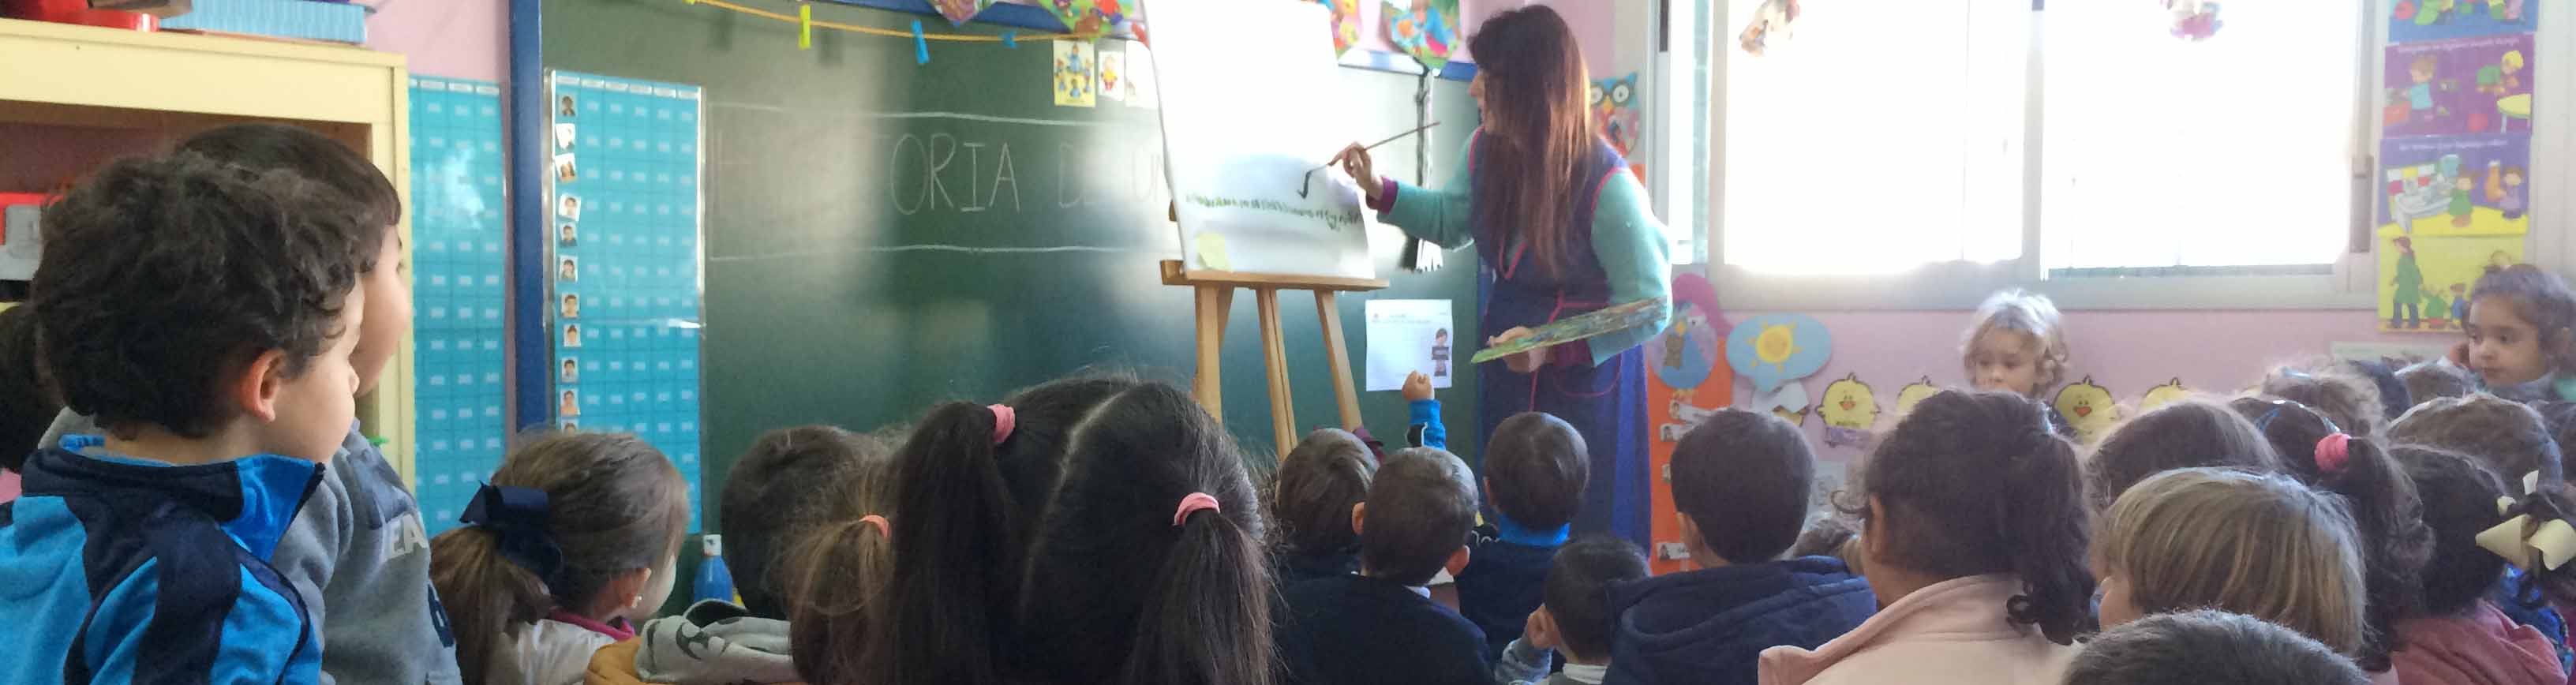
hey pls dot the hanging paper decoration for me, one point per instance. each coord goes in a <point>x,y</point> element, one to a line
<point>1773,349</point>
<point>1914,394</point>
<point>2194,20</point>
<point>2089,408</point>
<point>959,12</point>
<point>1114,14</point>
<point>1771,24</point>
<point>2172,391</point>
<point>1346,24</point>
<point>1850,410</point>
<point>1425,29</point>
<point>1615,111</point>
<point>1690,347</point>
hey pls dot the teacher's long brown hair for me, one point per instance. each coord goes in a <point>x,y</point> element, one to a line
<point>1537,99</point>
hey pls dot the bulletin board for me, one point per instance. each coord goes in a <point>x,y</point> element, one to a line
<point>459,293</point>
<point>623,275</point>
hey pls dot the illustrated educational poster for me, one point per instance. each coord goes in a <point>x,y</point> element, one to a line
<point>460,255</point>
<point>1407,337</point>
<point>2455,177</point>
<point>1266,202</point>
<point>625,268</point>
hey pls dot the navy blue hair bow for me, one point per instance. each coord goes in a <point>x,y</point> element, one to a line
<point>518,518</point>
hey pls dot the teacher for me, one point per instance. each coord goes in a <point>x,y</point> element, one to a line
<point>1561,228</point>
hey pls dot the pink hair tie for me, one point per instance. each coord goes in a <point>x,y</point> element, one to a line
<point>2333,452</point>
<point>1194,502</point>
<point>1005,420</point>
<point>883,528</point>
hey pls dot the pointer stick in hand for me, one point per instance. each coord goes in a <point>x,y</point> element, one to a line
<point>1308,181</point>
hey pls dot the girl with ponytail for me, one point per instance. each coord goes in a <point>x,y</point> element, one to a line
<point>1974,534</point>
<point>2387,514</point>
<point>571,541</point>
<point>1148,567</point>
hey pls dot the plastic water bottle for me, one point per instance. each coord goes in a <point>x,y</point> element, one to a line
<point>714,582</point>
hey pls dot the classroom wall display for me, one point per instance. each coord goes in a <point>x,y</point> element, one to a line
<point>2420,20</point>
<point>1425,29</point>
<point>2089,408</point>
<point>630,314</point>
<point>1773,349</point>
<point>1913,394</point>
<point>1346,24</point>
<point>1850,412</point>
<point>1688,384</point>
<point>1617,108</point>
<point>1406,337</point>
<point>2455,87</point>
<point>460,262</point>
<point>2449,207</point>
<point>1247,156</point>
<point>2172,391</point>
<point>959,12</point>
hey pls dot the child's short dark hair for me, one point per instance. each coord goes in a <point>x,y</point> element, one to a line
<point>1978,483</point>
<point>2433,380</point>
<point>27,407</point>
<point>163,275</point>
<point>2394,397</point>
<point>1743,477</point>
<point>2208,647</point>
<point>783,488</point>
<point>1313,492</point>
<point>2508,436</point>
<point>2459,502</point>
<point>1538,466</point>
<point>2349,398</point>
<point>1577,590</point>
<point>1420,508</point>
<point>2538,297</point>
<point>267,146</point>
<point>2186,434</point>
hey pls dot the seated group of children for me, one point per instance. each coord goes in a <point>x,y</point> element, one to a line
<point>204,509</point>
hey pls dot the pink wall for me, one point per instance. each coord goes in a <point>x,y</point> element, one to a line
<point>452,38</point>
<point>2127,352</point>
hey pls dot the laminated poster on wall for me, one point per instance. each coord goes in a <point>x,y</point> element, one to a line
<point>1075,85</point>
<point>1772,349</point>
<point>1617,110</point>
<point>460,262</point>
<point>2456,87</point>
<point>2448,207</point>
<point>1425,29</point>
<point>1112,74</point>
<point>1850,412</point>
<point>2089,408</point>
<point>2421,20</point>
<point>1406,337</point>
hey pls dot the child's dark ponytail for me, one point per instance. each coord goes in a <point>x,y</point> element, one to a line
<point>955,569</point>
<point>1977,483</point>
<point>1148,567</point>
<point>487,597</point>
<point>2386,511</point>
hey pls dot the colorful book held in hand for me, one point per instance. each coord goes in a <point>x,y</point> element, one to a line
<point>1596,324</point>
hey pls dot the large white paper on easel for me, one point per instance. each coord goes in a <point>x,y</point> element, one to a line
<point>1410,336</point>
<point>1249,108</point>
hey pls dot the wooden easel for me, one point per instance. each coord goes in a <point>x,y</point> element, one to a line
<point>1215,290</point>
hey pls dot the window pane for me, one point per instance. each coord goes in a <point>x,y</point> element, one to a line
<point>1882,135</point>
<point>2232,151</point>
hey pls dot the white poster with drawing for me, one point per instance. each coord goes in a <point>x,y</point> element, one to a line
<point>1250,116</point>
<point>1407,337</point>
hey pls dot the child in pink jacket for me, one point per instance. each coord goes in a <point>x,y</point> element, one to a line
<point>1974,539</point>
<point>2456,637</point>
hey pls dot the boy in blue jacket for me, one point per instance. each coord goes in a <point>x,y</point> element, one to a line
<point>206,315</point>
<point>1740,482</point>
<point>1535,469</point>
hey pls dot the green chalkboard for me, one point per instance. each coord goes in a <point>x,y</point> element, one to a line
<point>884,235</point>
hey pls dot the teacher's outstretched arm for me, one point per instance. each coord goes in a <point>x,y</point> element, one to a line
<point>1441,217</point>
<point>1635,254</point>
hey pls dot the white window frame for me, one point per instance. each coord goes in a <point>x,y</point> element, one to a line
<point>2349,283</point>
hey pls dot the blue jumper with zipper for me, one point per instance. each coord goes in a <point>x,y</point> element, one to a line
<point>122,570</point>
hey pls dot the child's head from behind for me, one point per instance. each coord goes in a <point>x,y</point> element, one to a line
<point>2509,438</point>
<point>792,482</point>
<point>2433,380</point>
<point>1977,483</point>
<point>264,268</point>
<point>2258,544</point>
<point>2459,502</point>
<point>2334,389</point>
<point>1317,484</point>
<point>27,407</point>
<point>1148,566</point>
<point>612,511</point>
<point>2520,321</point>
<point>1575,598</point>
<point>2016,344</point>
<point>833,554</point>
<point>2208,647</point>
<point>1536,466</point>
<point>2181,435</point>
<point>1740,482</point>
<point>1417,516</point>
<point>2387,514</point>
<point>279,147</point>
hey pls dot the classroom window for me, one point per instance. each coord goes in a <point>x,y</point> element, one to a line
<point>1878,136</point>
<point>2235,151</point>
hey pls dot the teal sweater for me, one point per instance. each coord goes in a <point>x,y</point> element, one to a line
<point>1625,234</point>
